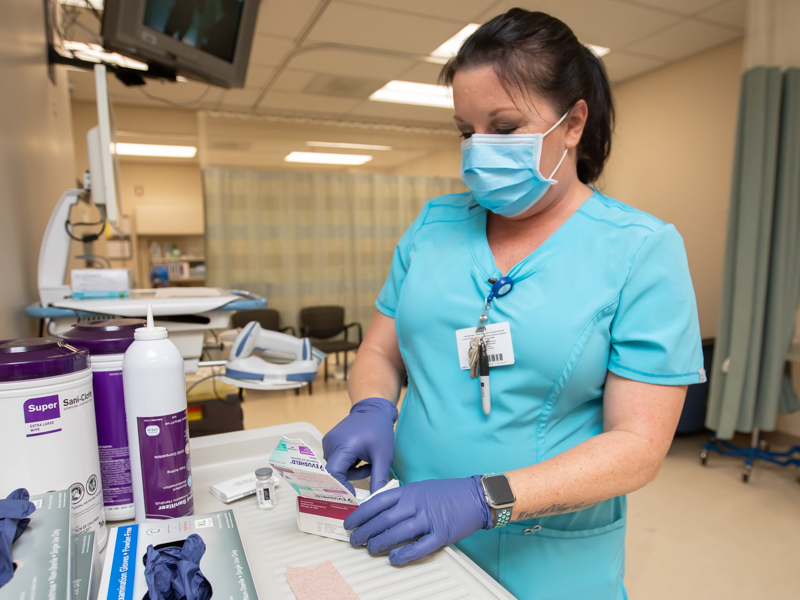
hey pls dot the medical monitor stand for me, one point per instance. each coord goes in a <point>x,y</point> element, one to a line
<point>103,160</point>
<point>103,169</point>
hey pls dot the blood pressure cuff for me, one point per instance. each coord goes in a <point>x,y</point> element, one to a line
<point>14,511</point>
<point>173,573</point>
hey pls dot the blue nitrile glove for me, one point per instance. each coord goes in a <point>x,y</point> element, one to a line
<point>367,434</point>
<point>441,511</point>
<point>13,512</point>
<point>173,573</point>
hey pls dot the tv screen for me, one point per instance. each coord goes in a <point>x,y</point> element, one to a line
<point>209,26</point>
<point>204,39</point>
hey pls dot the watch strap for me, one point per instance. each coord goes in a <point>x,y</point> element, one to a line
<point>501,517</point>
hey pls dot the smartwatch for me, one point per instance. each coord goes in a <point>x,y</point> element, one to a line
<point>499,497</point>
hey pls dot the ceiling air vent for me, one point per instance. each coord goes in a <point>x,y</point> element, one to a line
<point>343,87</point>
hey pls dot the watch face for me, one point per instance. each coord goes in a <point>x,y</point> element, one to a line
<point>499,490</point>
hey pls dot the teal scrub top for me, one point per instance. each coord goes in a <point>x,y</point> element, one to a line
<point>610,290</point>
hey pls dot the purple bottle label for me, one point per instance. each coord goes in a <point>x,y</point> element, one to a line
<point>166,470</point>
<point>42,415</point>
<point>112,437</point>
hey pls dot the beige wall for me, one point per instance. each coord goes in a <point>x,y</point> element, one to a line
<point>36,156</point>
<point>672,157</point>
<point>446,163</point>
<point>145,182</point>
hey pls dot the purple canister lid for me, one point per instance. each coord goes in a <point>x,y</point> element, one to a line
<point>112,336</point>
<point>36,358</point>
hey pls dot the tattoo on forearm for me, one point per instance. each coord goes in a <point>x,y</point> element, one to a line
<point>555,509</point>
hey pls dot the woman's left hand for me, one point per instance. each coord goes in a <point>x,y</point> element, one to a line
<point>438,511</point>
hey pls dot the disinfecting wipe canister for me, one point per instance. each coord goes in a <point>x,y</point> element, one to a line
<point>158,429</point>
<point>107,341</point>
<point>48,439</point>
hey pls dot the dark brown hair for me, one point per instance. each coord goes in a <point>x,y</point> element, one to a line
<point>534,52</point>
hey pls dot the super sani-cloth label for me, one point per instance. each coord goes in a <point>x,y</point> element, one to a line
<point>57,423</point>
<point>166,469</point>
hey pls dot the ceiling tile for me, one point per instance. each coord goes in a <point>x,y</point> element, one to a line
<point>684,39</point>
<point>403,112</point>
<point>354,64</point>
<point>240,98</point>
<point>684,7</point>
<point>292,80</point>
<point>610,23</point>
<point>284,18</point>
<point>268,50</point>
<point>733,14</point>
<point>621,66</point>
<point>306,103</point>
<point>455,10</point>
<point>372,27</point>
<point>422,72</point>
<point>258,76</point>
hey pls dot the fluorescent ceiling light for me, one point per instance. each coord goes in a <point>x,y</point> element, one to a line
<point>96,4</point>
<point>408,92</point>
<point>599,51</point>
<point>450,48</point>
<point>323,158</point>
<point>158,150</point>
<point>96,53</point>
<point>344,145</point>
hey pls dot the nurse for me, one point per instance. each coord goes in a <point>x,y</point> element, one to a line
<point>588,345</point>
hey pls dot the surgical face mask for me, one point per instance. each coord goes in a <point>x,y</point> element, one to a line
<point>503,170</point>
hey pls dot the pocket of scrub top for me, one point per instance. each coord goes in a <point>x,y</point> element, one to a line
<point>549,564</point>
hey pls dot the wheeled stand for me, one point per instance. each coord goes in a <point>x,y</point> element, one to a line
<point>758,450</point>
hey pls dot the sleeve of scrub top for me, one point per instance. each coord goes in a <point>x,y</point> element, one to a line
<point>655,334</point>
<point>390,294</point>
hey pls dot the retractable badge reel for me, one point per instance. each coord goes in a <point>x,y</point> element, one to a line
<point>478,355</point>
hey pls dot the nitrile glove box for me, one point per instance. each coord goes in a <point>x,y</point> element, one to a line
<point>101,283</point>
<point>83,566</point>
<point>224,563</point>
<point>42,552</point>
<point>322,502</point>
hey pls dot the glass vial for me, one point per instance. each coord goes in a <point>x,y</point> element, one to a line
<point>265,489</point>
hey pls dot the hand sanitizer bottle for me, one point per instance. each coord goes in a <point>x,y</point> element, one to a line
<point>158,429</point>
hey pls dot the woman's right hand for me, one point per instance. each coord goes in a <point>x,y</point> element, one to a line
<point>367,434</point>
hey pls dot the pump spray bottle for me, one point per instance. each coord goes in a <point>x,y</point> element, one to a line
<point>158,428</point>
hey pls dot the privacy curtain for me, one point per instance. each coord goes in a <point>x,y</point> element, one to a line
<point>761,283</point>
<point>308,239</point>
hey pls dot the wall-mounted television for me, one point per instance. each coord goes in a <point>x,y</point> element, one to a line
<point>208,40</point>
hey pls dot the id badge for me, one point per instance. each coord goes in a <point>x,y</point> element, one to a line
<point>498,344</point>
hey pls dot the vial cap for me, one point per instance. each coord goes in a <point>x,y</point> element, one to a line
<point>263,473</point>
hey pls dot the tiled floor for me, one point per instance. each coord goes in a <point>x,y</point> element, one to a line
<point>696,532</point>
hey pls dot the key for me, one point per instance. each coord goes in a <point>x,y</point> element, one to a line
<point>473,356</point>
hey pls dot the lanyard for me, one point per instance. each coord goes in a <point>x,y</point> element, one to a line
<point>500,287</point>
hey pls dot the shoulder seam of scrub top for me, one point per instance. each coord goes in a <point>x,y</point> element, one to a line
<point>642,219</point>
<point>639,249</point>
<point>420,221</point>
<point>613,224</point>
<point>444,206</point>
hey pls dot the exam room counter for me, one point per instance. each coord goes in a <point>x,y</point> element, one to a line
<point>272,541</point>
